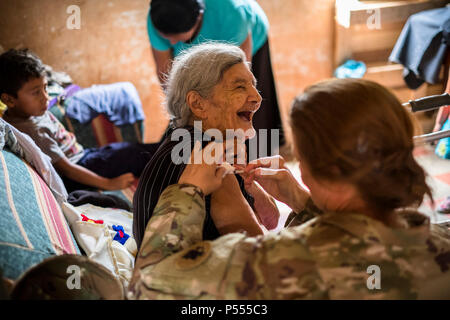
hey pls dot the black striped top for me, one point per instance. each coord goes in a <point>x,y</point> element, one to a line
<point>160,172</point>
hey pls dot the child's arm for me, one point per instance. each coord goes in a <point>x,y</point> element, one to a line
<point>87,177</point>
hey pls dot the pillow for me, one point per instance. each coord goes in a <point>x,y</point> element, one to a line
<point>33,225</point>
<point>106,236</point>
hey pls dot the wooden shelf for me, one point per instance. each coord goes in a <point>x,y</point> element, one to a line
<point>362,32</point>
<point>353,12</point>
<point>368,30</point>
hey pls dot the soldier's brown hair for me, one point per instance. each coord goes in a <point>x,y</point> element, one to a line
<point>356,131</point>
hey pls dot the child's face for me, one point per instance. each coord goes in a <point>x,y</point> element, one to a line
<point>32,98</point>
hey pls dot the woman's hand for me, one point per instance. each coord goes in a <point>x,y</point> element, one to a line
<point>208,177</point>
<point>277,180</point>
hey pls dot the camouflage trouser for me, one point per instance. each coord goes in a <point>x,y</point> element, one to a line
<point>68,277</point>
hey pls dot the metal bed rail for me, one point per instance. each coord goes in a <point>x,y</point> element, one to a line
<point>426,104</point>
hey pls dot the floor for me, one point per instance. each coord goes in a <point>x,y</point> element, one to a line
<point>437,169</point>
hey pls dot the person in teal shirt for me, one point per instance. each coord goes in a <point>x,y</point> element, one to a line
<point>175,25</point>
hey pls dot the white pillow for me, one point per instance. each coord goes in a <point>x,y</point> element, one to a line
<point>97,239</point>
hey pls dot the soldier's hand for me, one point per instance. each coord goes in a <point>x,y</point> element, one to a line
<point>273,167</point>
<point>277,180</point>
<point>273,162</point>
<point>204,169</point>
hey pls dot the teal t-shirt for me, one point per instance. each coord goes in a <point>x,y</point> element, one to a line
<point>223,20</point>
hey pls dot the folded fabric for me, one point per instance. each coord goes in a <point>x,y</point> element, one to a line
<point>104,235</point>
<point>119,102</point>
<point>80,197</point>
<point>22,145</point>
<point>422,46</point>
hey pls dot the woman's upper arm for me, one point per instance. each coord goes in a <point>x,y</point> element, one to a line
<point>231,212</point>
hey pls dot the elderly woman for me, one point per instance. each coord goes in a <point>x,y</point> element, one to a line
<point>211,85</point>
<point>176,25</point>
<point>350,236</point>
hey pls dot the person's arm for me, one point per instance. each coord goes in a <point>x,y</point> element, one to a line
<point>277,180</point>
<point>173,262</point>
<point>265,207</point>
<point>163,63</point>
<point>442,116</point>
<point>176,223</point>
<point>178,217</point>
<point>282,185</point>
<point>87,177</point>
<point>231,212</point>
<point>247,47</point>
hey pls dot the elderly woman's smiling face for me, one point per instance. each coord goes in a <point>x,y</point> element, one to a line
<point>232,103</point>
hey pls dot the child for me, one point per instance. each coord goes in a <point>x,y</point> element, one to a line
<point>23,88</point>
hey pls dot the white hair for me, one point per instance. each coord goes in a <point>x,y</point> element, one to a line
<point>199,69</point>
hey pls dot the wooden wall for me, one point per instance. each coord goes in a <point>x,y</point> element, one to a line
<point>112,44</point>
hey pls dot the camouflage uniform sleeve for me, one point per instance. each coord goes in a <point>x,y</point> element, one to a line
<point>177,223</point>
<point>173,262</point>
<point>309,212</point>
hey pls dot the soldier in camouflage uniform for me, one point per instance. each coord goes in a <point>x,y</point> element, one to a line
<point>353,244</point>
<point>325,258</point>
